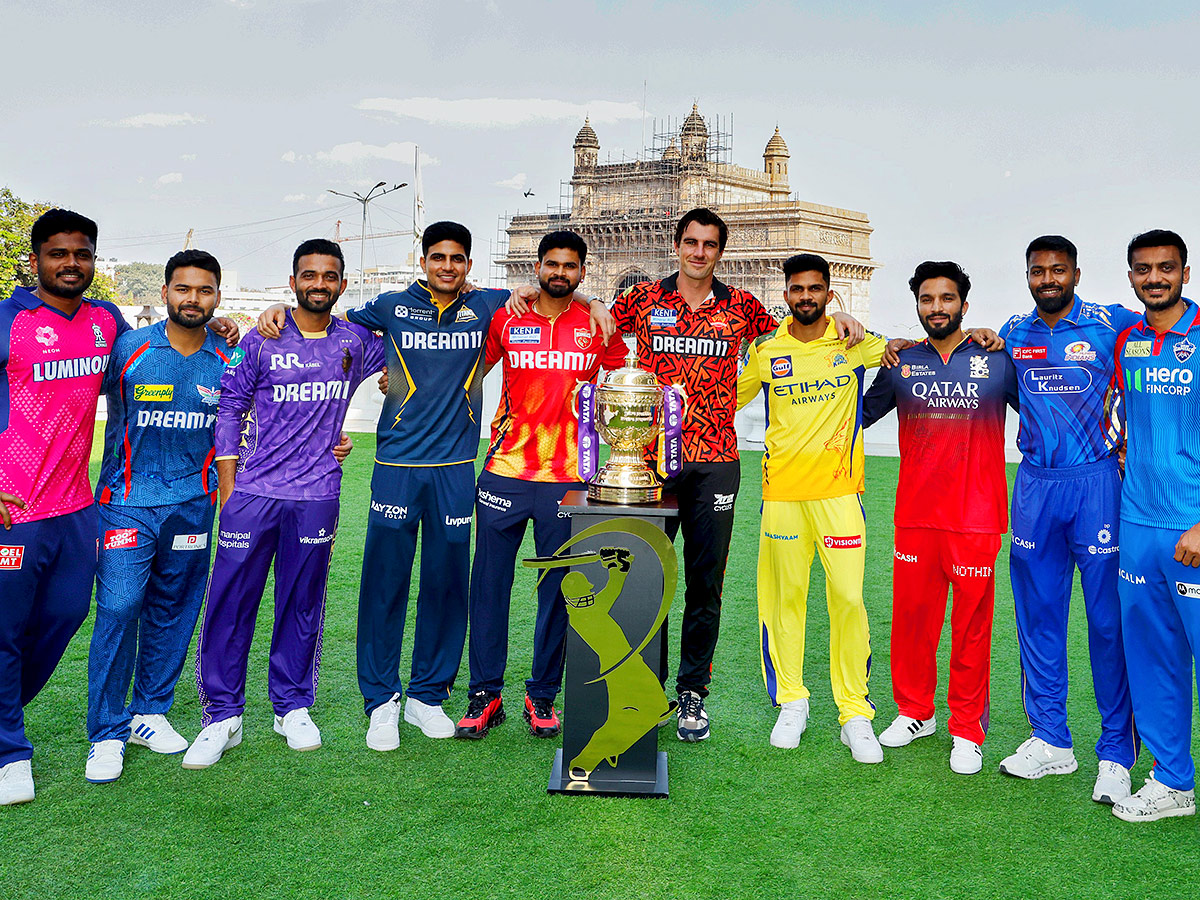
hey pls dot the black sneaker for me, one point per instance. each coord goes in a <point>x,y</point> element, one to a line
<point>485,710</point>
<point>693,720</point>
<point>542,719</point>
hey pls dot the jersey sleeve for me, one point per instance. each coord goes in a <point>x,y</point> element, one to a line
<point>495,299</point>
<point>749,381</point>
<point>1122,317</point>
<point>119,320</point>
<point>761,321</point>
<point>615,352</point>
<point>374,355</point>
<point>493,348</point>
<point>1012,393</point>
<point>624,310</point>
<point>871,349</point>
<point>372,314</point>
<point>880,398</point>
<point>1006,330</point>
<point>237,393</point>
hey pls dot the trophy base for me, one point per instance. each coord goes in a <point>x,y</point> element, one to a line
<point>629,496</point>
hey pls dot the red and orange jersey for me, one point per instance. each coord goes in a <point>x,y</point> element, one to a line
<point>535,435</point>
<point>697,348</point>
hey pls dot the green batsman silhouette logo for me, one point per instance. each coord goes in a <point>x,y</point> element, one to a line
<point>637,703</point>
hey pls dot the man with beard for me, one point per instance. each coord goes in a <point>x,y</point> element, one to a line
<point>949,394</point>
<point>1065,514</point>
<point>812,482</point>
<point>531,463</point>
<point>281,410</point>
<point>1158,370</point>
<point>54,347</point>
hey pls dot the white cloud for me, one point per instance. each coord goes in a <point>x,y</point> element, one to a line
<point>499,112</point>
<point>289,157</point>
<point>356,152</point>
<point>169,178</point>
<point>155,120</point>
<point>517,182</point>
<point>294,198</point>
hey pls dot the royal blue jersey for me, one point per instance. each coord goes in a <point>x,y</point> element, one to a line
<point>1064,374</point>
<point>162,408</point>
<point>431,415</point>
<point>1159,376</point>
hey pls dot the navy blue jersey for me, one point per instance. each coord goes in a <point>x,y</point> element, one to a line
<point>1159,375</point>
<point>1064,375</point>
<point>162,407</point>
<point>431,415</point>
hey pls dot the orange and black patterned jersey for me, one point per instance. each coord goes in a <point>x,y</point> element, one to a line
<point>535,436</point>
<point>698,349</point>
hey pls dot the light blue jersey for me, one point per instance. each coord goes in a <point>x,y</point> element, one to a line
<point>1159,375</point>
<point>1064,375</point>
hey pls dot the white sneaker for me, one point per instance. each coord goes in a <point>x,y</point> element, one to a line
<point>16,783</point>
<point>212,742</point>
<point>299,729</point>
<point>966,756</point>
<point>1036,758</point>
<point>155,732</point>
<point>860,738</point>
<point>384,731</point>
<point>793,719</point>
<point>432,720</point>
<point>905,729</point>
<point>105,761</point>
<point>1155,801</point>
<point>1112,783</point>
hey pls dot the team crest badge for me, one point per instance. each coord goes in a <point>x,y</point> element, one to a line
<point>836,359</point>
<point>99,336</point>
<point>465,315</point>
<point>1184,350</point>
<point>979,367</point>
<point>583,338</point>
<point>46,336</point>
<point>209,396</point>
<point>905,371</point>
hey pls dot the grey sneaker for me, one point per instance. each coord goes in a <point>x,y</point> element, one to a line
<point>693,720</point>
<point>1112,783</point>
<point>1155,801</point>
<point>1035,758</point>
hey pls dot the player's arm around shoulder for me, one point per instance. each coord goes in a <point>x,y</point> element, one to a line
<point>750,380</point>
<point>880,398</point>
<point>871,351</point>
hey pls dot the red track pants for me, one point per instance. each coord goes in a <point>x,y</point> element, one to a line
<point>926,562</point>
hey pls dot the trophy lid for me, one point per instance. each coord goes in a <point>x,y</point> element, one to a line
<point>631,375</point>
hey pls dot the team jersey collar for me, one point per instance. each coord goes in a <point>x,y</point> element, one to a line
<point>27,299</point>
<point>158,338</point>
<point>928,347</point>
<point>720,291</point>
<point>334,324</point>
<point>1072,316</point>
<point>831,332</point>
<point>1187,320</point>
<point>420,289</point>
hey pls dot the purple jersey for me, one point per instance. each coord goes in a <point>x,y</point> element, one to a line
<point>283,403</point>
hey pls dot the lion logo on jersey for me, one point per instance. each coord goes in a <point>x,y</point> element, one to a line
<point>583,338</point>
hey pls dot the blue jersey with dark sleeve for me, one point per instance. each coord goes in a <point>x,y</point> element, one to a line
<point>162,407</point>
<point>1159,376</point>
<point>1064,375</point>
<point>431,416</point>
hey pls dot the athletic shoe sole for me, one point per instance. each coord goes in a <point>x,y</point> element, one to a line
<point>233,742</point>
<point>1153,817</point>
<point>474,733</point>
<point>1052,769</point>
<point>691,737</point>
<point>279,730</point>
<point>134,739</point>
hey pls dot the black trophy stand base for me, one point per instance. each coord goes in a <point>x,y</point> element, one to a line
<point>616,786</point>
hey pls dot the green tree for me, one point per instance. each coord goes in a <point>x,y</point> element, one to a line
<point>140,281</point>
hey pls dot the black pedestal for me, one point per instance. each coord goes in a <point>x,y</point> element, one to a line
<point>618,593</point>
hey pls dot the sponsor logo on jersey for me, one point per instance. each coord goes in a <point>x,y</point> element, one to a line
<point>154,393</point>
<point>174,418</point>
<point>234,540</point>
<point>1163,380</point>
<point>321,537</point>
<point>493,501</point>
<point>972,571</point>
<point>11,556</point>
<point>843,542</point>
<point>1138,348</point>
<point>190,542</point>
<point>1184,350</point>
<point>466,314</point>
<point>815,391</point>
<point>289,361</point>
<point>662,318</point>
<point>209,396</point>
<point>915,370</point>
<point>1183,588</point>
<point>101,342</point>
<point>723,502</point>
<point>554,360</point>
<point>979,367</point>
<point>1132,578</point>
<point>1058,380</point>
<point>583,338</point>
<point>780,537</point>
<point>456,521</point>
<point>1028,352</point>
<point>947,394</point>
<point>1079,351</point>
<point>235,358</point>
<point>524,334</point>
<point>389,510</point>
<point>1021,542</point>
<point>58,369</point>
<point>781,367</point>
<point>683,345</point>
<point>906,557</point>
<point>120,539</point>
<point>400,311</point>
<point>441,340</point>
<point>46,336</point>
<point>311,392</point>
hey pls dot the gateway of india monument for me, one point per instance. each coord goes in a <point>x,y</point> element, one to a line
<point>626,211</point>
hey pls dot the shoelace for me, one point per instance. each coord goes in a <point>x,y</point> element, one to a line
<point>542,709</point>
<point>690,706</point>
<point>477,704</point>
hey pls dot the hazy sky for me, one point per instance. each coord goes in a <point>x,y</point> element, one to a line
<point>963,130</point>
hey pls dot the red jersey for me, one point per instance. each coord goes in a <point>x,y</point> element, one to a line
<point>698,349</point>
<point>535,435</point>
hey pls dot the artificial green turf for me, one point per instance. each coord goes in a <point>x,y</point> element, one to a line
<point>472,819</point>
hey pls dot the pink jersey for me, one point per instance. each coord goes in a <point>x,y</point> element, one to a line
<point>51,369</point>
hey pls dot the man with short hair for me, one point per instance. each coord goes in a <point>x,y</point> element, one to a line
<point>1065,514</point>
<point>1158,371</point>
<point>281,411</point>
<point>689,328</point>
<point>155,494</point>
<point>531,463</point>
<point>55,344</point>
<point>812,482</point>
<point>949,394</point>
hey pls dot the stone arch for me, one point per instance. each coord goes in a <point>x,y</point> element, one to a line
<point>629,278</point>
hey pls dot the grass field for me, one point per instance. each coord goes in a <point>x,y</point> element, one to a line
<point>472,819</point>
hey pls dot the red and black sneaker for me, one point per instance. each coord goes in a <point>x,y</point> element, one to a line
<point>542,719</point>
<point>485,710</point>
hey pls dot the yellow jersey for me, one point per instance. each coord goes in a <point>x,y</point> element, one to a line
<point>814,394</point>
